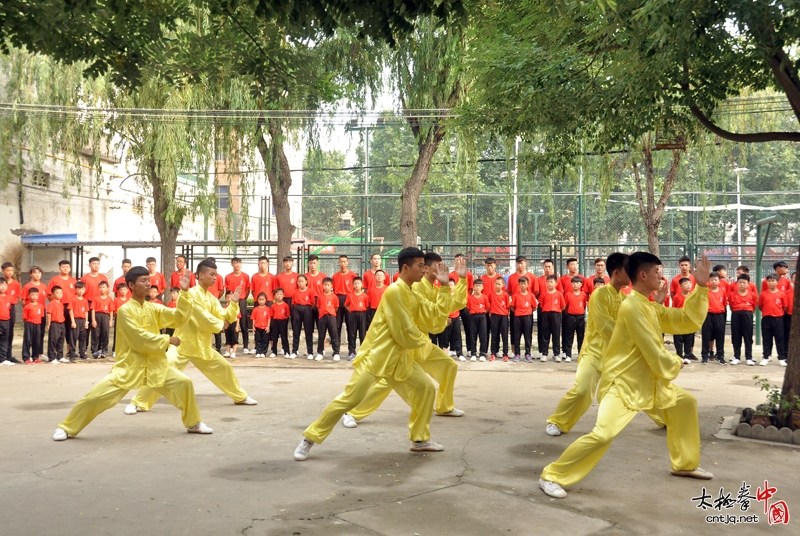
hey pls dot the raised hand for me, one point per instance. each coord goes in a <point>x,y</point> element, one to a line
<point>702,270</point>
<point>461,266</point>
<point>442,276</point>
<point>186,278</point>
<point>236,294</point>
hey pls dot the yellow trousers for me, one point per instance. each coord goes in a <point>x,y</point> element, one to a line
<point>683,438</point>
<point>417,390</point>
<point>178,389</point>
<point>219,371</point>
<point>437,364</point>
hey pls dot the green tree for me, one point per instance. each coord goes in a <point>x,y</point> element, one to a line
<point>324,176</point>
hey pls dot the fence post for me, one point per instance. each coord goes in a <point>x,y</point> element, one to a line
<point>761,245</point>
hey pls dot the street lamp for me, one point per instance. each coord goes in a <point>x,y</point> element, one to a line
<point>739,171</point>
<point>352,126</point>
<point>448,214</point>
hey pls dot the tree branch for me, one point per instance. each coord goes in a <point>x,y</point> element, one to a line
<point>757,137</point>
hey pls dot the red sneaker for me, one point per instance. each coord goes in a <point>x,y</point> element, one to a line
<point>37,360</point>
<point>505,358</point>
<point>491,357</point>
<point>29,362</point>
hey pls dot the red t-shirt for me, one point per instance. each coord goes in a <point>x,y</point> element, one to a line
<point>588,283</point>
<point>25,293</point>
<point>717,301</point>
<point>288,282</point>
<point>784,284</point>
<point>260,316</point>
<point>13,291</point>
<point>666,299</point>
<point>303,297</point>
<point>280,311</point>
<point>478,304</point>
<point>576,305</point>
<point>498,303</point>
<point>513,283</point>
<point>56,311</point>
<point>675,286</point>
<point>328,304</point>
<point>375,294</point>
<point>626,290</point>
<point>159,281</point>
<point>488,282</point>
<point>171,305</point>
<point>565,283</point>
<point>734,288</point>
<point>357,302</point>
<point>315,282</point>
<point>343,282</point>
<point>92,283</point>
<point>772,303</point>
<point>120,301</point>
<point>470,279</point>
<point>156,301</point>
<point>103,305</point>
<point>32,313</point>
<point>79,307</point>
<point>790,299</point>
<point>369,279</point>
<point>119,281</point>
<point>263,283</point>
<point>218,290</point>
<point>523,304</point>
<point>175,279</point>
<point>67,286</point>
<point>747,302</point>
<point>395,277</point>
<point>233,281</point>
<point>552,302</point>
<point>678,300</point>
<point>5,308</point>
<point>542,282</point>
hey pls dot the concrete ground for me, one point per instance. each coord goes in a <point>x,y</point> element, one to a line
<point>144,474</point>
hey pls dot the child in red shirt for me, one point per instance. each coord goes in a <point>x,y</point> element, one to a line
<point>714,325</point>
<point>522,305</point>
<point>328,306</point>
<point>261,319</point>
<point>478,305</point>
<point>498,319</point>
<point>375,293</point>
<point>773,305</point>
<point>55,326</point>
<point>575,317</point>
<point>32,315</point>
<point>122,297</point>
<point>742,301</point>
<point>552,303</point>
<point>451,336</point>
<point>280,323</point>
<point>5,324</point>
<point>78,310</point>
<point>35,274</point>
<point>174,293</point>
<point>13,291</point>
<point>153,296</point>
<point>356,304</point>
<point>102,322</point>
<point>232,331</point>
<point>303,316</point>
<point>684,344</point>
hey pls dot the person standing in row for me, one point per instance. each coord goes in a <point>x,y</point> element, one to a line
<point>713,330</point>
<point>369,276</point>
<point>478,306</point>
<point>303,316</point>
<point>599,272</point>
<point>574,317</point>
<point>521,306</point>
<point>498,318</point>
<point>92,282</point>
<point>287,280</point>
<point>55,326</point>
<point>239,279</point>
<point>342,287</point>
<point>157,279</point>
<point>180,269</point>
<point>262,316</point>
<point>79,310</point>
<point>263,281</point>
<point>5,321</point>
<point>314,277</point>
<point>32,315</point>
<point>13,292</point>
<point>35,274</point>
<point>67,283</point>
<point>328,306</point>
<point>552,304</point>
<point>279,328</point>
<point>743,302</point>
<point>773,305</point>
<point>374,295</point>
<point>126,265</point>
<point>356,305</point>
<point>102,322</point>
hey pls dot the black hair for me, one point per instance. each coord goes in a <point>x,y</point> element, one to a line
<point>571,259</point>
<point>126,261</point>
<point>288,258</point>
<point>772,276</point>
<point>121,286</point>
<point>684,279</point>
<point>343,256</point>
<point>206,263</point>
<point>33,291</point>
<point>744,268</point>
<point>264,258</point>
<point>521,258</point>
<point>175,289</point>
<point>357,278</point>
<point>551,277</point>
<point>6,265</point>
<point>313,257</point>
<point>684,258</point>
<point>616,261</point>
<point>641,260</point>
<point>100,284</point>
<point>279,289</point>
<point>714,274</point>
<point>458,255</point>
<point>261,294</point>
<point>150,259</point>
<point>81,284</point>
<point>490,260</point>
<point>135,273</point>
<point>304,277</point>
<point>780,264</point>
<point>743,276</point>
<point>522,279</point>
<point>431,257</point>
<point>376,253</point>
<point>52,290</point>
<point>62,263</point>
<point>719,267</point>
<point>548,260</point>
<point>180,256</point>
<point>94,259</point>
<point>34,267</point>
<point>379,270</point>
<point>407,256</point>
<point>327,280</point>
<point>236,259</point>
<point>599,281</point>
<point>599,260</point>
<point>576,279</point>
<point>478,281</point>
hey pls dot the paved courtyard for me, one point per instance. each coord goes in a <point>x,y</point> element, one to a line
<point>144,474</point>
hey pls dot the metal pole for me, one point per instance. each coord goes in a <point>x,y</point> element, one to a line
<point>579,250</point>
<point>739,214</point>
<point>366,188</point>
<point>761,244</point>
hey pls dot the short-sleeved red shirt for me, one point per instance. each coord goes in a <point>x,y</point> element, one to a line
<point>478,304</point>
<point>67,286</point>
<point>159,281</point>
<point>498,303</point>
<point>513,283</point>
<point>357,302</point>
<point>303,297</point>
<point>576,304</point>
<point>523,304</point>
<point>92,283</point>
<point>717,301</point>
<point>280,311</point>
<point>233,281</point>
<point>260,316</point>
<point>375,295</point>
<point>675,286</point>
<point>588,283</point>
<point>262,283</point>
<point>772,303</point>
<point>565,283</point>
<point>343,282</point>
<point>103,305</point>
<point>552,302</point>
<point>328,304</point>
<point>287,282</point>
<point>747,302</point>
<point>56,311</point>
<point>32,313</point>
<point>13,291</point>
<point>315,282</point>
<point>79,307</point>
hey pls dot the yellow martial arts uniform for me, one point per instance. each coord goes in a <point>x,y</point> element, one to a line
<point>208,317</point>
<point>637,374</point>
<point>431,358</point>
<point>387,353</point>
<point>141,361</point>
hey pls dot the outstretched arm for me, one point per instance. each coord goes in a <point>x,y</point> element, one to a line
<point>142,340</point>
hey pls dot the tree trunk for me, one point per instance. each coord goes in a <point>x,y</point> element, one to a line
<point>280,180</point>
<point>412,189</point>
<point>167,228</point>
<point>651,210</point>
<point>791,378</point>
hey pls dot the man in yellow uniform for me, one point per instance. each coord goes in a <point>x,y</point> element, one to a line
<point>141,360</point>
<point>387,353</point>
<point>637,376</point>
<point>207,318</point>
<point>431,358</point>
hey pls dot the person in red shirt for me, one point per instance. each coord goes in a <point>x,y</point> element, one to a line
<point>263,281</point>
<point>12,294</point>
<point>574,317</point>
<point>92,280</point>
<point>773,305</point>
<point>126,265</point>
<point>314,276</point>
<point>328,306</point>
<point>549,268</point>
<point>521,306</point>
<point>262,314</point>
<point>552,304</point>
<point>499,301</point>
<point>491,274</point>
<point>280,323</point>
<point>180,269</point>
<point>5,321</point>
<point>685,265</point>
<point>55,326</point>
<point>512,286</point>
<point>235,280</point>
<point>744,269</point>
<point>598,282</point>
<point>369,276</point>
<point>342,286</point>
<point>599,272</point>
<point>742,301</point>
<point>724,284</point>
<point>152,296</point>
<point>782,275</point>
<point>67,283</point>
<point>714,325</point>
<point>395,277</point>
<point>451,336</point>
<point>232,331</point>
<point>287,280</point>
<point>102,322</point>
<point>36,283</point>
<point>122,297</point>
<point>303,316</point>
<point>375,294</point>
<point>564,285</point>
<point>464,313</point>
<point>356,304</point>
<point>684,344</point>
<point>157,279</point>
<point>787,318</point>
<point>78,310</point>
<point>174,293</point>
<point>478,305</point>
<point>31,336</point>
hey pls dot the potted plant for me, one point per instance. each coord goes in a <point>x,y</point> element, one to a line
<point>777,409</point>
<point>795,422</point>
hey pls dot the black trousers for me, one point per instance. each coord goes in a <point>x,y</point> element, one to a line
<point>713,330</point>
<point>539,332</point>
<point>327,324</point>
<point>55,340</point>
<point>11,322</point>
<point>684,345</point>
<point>231,337</point>
<point>342,315</point>
<point>498,327</point>
<point>100,333</point>
<point>356,325</point>
<point>303,320</point>
<point>217,340</point>
<point>262,341</point>
<point>522,326</point>
<point>772,328</point>
<point>742,330</point>
<point>479,331</point>
<point>370,316</point>
<point>574,324</point>
<point>5,349</point>
<point>551,329</point>
<point>244,323</point>
<point>451,337</point>
<point>436,339</point>
<point>31,341</point>
<point>467,323</point>
<point>280,328</point>
<point>787,326</point>
<point>79,338</point>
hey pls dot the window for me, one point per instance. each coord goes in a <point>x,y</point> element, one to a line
<point>223,199</point>
<point>41,179</point>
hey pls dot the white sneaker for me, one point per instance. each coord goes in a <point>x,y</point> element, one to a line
<point>511,356</point>
<point>764,362</point>
<point>272,354</point>
<point>426,446</point>
<point>310,356</point>
<point>245,351</point>
<point>735,361</point>
<point>782,362</point>
<point>64,360</point>
<point>552,489</point>
<point>247,402</point>
<point>60,435</point>
<point>686,361</point>
<point>292,355</point>
<point>552,429</point>
<point>482,358</point>
<point>451,353</point>
<point>557,358</point>
<point>543,358</point>
<point>233,355</point>
<point>473,358</point>
<point>301,452</point>
<point>131,409</point>
<point>199,428</point>
<point>318,358</point>
<point>462,358</point>
<point>349,421</point>
<point>227,353</point>
<point>568,359</point>
<point>336,357</point>
<point>455,412</point>
<point>7,364</point>
<point>750,363</point>
<point>53,361</point>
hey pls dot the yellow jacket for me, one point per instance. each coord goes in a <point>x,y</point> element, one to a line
<point>207,318</point>
<point>636,361</point>
<point>141,350</point>
<point>436,304</point>
<point>387,350</point>
<point>603,309</point>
